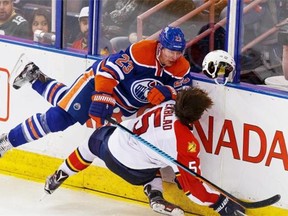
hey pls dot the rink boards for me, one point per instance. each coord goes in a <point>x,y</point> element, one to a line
<point>244,137</point>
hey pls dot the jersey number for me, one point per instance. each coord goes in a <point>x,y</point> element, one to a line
<point>141,127</point>
<point>18,20</point>
<point>193,166</point>
<point>125,63</point>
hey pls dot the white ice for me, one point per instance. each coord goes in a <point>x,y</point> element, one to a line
<point>20,197</point>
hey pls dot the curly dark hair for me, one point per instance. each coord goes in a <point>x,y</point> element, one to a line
<point>191,104</point>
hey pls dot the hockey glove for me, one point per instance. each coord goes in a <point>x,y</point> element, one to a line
<point>102,106</point>
<point>283,33</point>
<point>160,93</point>
<point>226,207</point>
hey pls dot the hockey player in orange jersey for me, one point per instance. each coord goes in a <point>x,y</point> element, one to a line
<point>120,81</point>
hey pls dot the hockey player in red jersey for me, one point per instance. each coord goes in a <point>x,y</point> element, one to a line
<point>168,127</point>
<point>119,81</point>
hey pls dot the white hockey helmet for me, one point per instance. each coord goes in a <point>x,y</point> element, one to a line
<point>219,63</point>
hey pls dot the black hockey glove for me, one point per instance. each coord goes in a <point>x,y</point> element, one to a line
<point>283,33</point>
<point>226,207</point>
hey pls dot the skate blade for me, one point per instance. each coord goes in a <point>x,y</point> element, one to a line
<point>18,67</point>
<point>43,197</point>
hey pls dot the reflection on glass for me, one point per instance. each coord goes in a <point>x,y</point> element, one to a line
<point>261,53</point>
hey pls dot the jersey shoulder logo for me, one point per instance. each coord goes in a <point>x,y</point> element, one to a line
<point>192,147</point>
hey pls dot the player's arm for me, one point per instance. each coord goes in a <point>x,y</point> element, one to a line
<point>103,103</point>
<point>195,189</point>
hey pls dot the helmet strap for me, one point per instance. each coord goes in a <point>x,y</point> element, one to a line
<point>224,83</point>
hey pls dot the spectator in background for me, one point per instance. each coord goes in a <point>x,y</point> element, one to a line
<point>282,14</point>
<point>11,23</point>
<point>41,21</point>
<point>81,43</point>
<point>82,40</point>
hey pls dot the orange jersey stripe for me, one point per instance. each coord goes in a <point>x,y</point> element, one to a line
<point>64,103</point>
<point>31,126</point>
<point>89,123</point>
<point>51,95</point>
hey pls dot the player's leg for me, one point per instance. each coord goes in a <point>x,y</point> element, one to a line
<point>79,159</point>
<point>36,127</point>
<point>74,107</point>
<point>47,87</point>
<point>97,146</point>
<point>52,91</point>
<point>154,192</point>
<point>29,74</point>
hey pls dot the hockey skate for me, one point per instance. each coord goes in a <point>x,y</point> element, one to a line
<point>5,145</point>
<point>160,205</point>
<point>54,181</point>
<point>29,74</point>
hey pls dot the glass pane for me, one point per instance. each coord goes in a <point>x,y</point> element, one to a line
<point>120,20</point>
<point>120,27</point>
<point>30,15</point>
<point>207,31</point>
<point>261,52</point>
<point>75,26</point>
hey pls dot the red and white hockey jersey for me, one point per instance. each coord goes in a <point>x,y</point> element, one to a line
<point>160,127</point>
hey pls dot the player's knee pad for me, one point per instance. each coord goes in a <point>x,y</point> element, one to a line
<point>57,119</point>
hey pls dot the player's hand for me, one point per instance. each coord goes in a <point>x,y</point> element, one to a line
<point>102,106</point>
<point>225,206</point>
<point>160,93</point>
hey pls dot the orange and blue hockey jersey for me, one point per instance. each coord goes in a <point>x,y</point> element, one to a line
<point>126,75</point>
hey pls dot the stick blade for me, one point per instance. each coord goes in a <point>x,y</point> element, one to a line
<point>263,203</point>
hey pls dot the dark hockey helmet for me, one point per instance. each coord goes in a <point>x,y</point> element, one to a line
<point>172,38</point>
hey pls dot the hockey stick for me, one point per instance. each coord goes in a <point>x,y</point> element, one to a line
<point>257,204</point>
